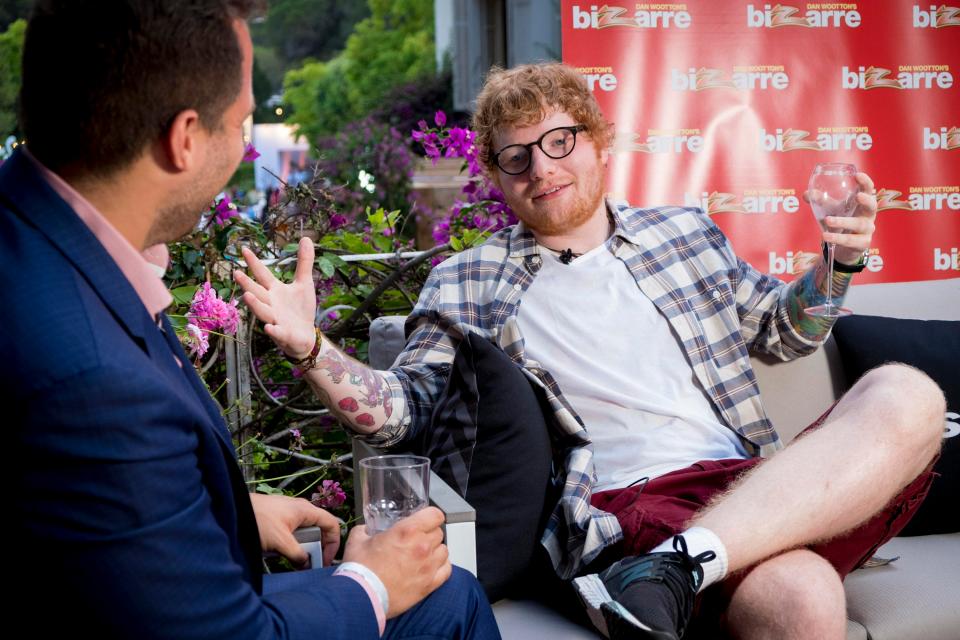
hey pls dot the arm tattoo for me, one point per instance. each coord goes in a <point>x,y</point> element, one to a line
<point>371,391</point>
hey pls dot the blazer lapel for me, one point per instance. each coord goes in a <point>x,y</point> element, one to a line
<point>37,204</point>
<point>199,389</point>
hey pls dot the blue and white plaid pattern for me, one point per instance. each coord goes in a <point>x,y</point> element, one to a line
<point>718,306</point>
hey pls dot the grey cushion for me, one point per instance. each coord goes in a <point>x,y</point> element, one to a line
<point>918,596</point>
<point>386,341</point>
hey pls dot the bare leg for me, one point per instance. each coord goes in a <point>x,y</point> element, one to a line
<point>792,596</point>
<point>878,438</point>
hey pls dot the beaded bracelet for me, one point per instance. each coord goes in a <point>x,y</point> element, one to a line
<point>304,364</point>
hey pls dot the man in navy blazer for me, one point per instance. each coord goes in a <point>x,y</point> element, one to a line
<point>130,515</point>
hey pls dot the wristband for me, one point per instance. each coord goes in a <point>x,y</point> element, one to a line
<point>371,579</point>
<point>303,365</point>
<point>856,267</point>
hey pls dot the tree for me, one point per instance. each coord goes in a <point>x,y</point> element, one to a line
<point>317,29</point>
<point>11,49</point>
<point>391,47</point>
<point>12,10</point>
<point>318,98</point>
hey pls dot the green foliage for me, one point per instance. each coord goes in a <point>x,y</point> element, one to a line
<point>11,48</point>
<point>12,10</point>
<point>391,47</point>
<point>301,29</point>
<point>318,97</point>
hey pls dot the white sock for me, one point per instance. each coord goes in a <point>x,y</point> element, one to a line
<point>698,540</point>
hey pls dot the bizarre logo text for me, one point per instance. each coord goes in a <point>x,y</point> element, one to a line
<point>818,15</point>
<point>917,76</point>
<point>645,16</point>
<point>936,17</point>
<point>748,78</point>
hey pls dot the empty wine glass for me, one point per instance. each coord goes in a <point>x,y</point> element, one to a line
<point>832,190</point>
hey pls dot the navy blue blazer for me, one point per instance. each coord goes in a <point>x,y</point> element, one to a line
<point>131,517</point>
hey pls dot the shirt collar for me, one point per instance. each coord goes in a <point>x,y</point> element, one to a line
<point>523,244</point>
<point>139,273</point>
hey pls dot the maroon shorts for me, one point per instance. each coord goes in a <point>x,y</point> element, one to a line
<point>653,512</point>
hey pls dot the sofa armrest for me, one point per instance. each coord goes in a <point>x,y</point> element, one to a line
<point>797,392</point>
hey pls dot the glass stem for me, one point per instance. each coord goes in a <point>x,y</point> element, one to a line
<point>831,247</point>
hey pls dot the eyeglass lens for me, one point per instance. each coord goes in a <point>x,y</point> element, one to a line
<point>556,143</point>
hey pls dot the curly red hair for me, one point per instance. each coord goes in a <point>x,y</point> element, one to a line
<point>521,96</point>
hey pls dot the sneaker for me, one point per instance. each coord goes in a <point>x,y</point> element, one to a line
<point>648,596</point>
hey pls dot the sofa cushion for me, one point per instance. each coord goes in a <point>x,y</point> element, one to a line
<point>912,598</point>
<point>932,346</point>
<point>488,439</point>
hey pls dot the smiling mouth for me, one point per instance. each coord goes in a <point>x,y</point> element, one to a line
<point>550,191</point>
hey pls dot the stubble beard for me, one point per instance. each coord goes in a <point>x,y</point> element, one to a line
<point>575,215</point>
<point>180,215</point>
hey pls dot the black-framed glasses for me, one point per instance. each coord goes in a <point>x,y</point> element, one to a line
<point>557,143</point>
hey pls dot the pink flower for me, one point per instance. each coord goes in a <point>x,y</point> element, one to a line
<point>224,210</point>
<point>440,118</point>
<point>250,153</point>
<point>296,443</point>
<point>196,340</point>
<point>330,495</point>
<point>209,313</point>
<point>337,221</point>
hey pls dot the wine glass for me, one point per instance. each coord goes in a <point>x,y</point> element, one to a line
<point>393,487</point>
<point>832,190</point>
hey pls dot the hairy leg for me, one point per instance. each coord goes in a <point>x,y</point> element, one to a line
<point>878,438</point>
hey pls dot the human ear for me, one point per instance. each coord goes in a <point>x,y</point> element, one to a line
<point>181,140</point>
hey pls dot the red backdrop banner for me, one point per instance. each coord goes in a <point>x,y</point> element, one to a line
<point>727,105</point>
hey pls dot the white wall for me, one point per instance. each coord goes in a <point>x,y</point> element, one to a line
<point>270,140</point>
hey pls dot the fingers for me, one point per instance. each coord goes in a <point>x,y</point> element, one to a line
<point>289,548</point>
<point>329,527</point>
<point>426,519</point>
<point>264,312</point>
<point>442,557</point>
<point>304,273</point>
<point>851,225</point>
<point>868,204</point>
<point>258,269</point>
<point>249,284</point>
<point>859,242</point>
<point>866,183</point>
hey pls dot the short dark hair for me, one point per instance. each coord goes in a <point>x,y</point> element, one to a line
<point>102,79</point>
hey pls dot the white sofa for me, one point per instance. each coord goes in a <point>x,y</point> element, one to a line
<point>915,597</point>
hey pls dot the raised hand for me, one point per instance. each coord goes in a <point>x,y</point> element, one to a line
<point>287,311</point>
<point>409,557</point>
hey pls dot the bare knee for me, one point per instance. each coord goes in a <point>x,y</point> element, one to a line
<point>913,403</point>
<point>795,595</point>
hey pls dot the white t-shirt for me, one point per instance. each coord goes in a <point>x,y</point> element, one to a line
<point>622,370</point>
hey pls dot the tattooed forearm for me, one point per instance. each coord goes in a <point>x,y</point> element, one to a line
<point>352,391</point>
<point>809,290</point>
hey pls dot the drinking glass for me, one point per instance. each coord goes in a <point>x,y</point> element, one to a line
<point>393,487</point>
<point>832,190</point>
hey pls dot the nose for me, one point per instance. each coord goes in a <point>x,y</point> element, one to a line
<point>541,165</point>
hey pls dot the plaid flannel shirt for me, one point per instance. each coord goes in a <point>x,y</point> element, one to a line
<point>718,305</point>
